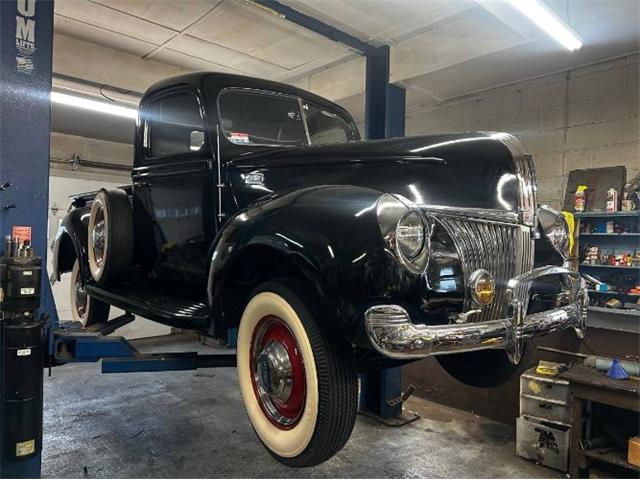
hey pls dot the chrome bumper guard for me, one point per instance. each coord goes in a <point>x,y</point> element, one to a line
<point>391,332</point>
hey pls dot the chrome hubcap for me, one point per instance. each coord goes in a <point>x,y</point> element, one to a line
<point>98,241</point>
<point>277,371</point>
<point>274,371</point>
<point>80,298</point>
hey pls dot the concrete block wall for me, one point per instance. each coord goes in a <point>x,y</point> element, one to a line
<point>582,118</point>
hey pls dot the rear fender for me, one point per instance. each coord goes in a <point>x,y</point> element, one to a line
<point>71,243</point>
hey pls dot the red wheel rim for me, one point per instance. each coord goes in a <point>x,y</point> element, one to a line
<point>277,372</point>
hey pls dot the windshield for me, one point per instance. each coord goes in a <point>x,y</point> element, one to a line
<point>271,119</point>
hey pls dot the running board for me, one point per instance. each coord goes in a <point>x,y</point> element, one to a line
<point>154,305</point>
<point>110,326</point>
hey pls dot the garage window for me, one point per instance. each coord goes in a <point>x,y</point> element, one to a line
<point>252,118</point>
<point>173,126</point>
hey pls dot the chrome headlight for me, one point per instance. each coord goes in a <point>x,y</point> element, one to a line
<point>555,228</point>
<point>406,231</point>
<point>413,240</point>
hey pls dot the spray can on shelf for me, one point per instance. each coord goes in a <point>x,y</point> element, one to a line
<point>579,200</point>
<point>612,200</point>
<point>627,203</point>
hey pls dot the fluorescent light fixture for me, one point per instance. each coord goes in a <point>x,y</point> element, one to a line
<point>94,105</point>
<point>548,21</point>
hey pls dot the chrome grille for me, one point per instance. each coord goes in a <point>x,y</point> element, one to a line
<point>503,249</point>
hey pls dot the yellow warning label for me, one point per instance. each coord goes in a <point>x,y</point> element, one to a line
<point>534,386</point>
<point>25,448</point>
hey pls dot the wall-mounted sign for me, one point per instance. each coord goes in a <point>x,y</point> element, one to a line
<point>21,233</point>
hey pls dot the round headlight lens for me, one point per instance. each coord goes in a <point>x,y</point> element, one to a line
<point>559,236</point>
<point>410,235</point>
<point>555,229</point>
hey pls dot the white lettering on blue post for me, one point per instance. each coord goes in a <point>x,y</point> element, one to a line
<point>25,35</point>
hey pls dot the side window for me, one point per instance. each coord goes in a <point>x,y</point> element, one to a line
<point>249,118</point>
<point>173,126</point>
<point>327,127</point>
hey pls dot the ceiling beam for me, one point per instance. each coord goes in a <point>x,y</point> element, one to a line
<point>313,24</point>
<point>108,66</point>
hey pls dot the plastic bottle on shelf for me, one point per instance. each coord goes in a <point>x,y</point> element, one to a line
<point>580,198</point>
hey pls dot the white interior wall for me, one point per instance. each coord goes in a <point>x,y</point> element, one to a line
<point>60,187</point>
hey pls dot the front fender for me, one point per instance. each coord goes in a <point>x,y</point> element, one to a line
<point>72,231</point>
<point>330,233</point>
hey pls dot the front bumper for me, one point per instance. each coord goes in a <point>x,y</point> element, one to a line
<point>391,332</point>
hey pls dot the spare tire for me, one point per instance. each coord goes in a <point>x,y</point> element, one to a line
<point>110,240</point>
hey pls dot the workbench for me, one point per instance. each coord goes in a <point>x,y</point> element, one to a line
<point>589,385</point>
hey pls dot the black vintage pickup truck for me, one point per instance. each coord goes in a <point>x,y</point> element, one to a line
<point>255,205</point>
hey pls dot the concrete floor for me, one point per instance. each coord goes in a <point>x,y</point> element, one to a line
<point>192,424</point>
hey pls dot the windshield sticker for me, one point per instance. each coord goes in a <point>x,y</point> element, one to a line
<point>238,137</point>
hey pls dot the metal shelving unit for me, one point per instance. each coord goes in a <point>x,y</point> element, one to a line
<point>624,320</point>
<point>633,213</point>
<point>610,234</point>
<point>617,267</point>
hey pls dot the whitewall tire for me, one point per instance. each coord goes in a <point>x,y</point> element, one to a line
<point>299,386</point>
<point>85,309</point>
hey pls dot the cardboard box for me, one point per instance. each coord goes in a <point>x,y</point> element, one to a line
<point>633,453</point>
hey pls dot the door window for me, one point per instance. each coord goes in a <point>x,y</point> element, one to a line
<point>173,126</point>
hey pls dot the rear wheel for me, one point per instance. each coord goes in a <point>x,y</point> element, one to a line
<point>85,309</point>
<point>299,386</point>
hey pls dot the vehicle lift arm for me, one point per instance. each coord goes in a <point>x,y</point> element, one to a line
<point>72,344</point>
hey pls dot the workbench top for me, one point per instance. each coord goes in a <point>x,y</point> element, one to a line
<point>591,377</point>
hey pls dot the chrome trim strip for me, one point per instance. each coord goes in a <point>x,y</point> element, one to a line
<point>220,184</point>
<point>526,173</point>
<point>479,214</point>
<point>392,334</point>
<point>304,121</point>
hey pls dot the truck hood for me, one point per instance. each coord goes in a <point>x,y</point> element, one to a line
<point>475,170</point>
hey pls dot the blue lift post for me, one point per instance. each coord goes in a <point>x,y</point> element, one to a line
<point>26,38</point>
<point>381,393</point>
